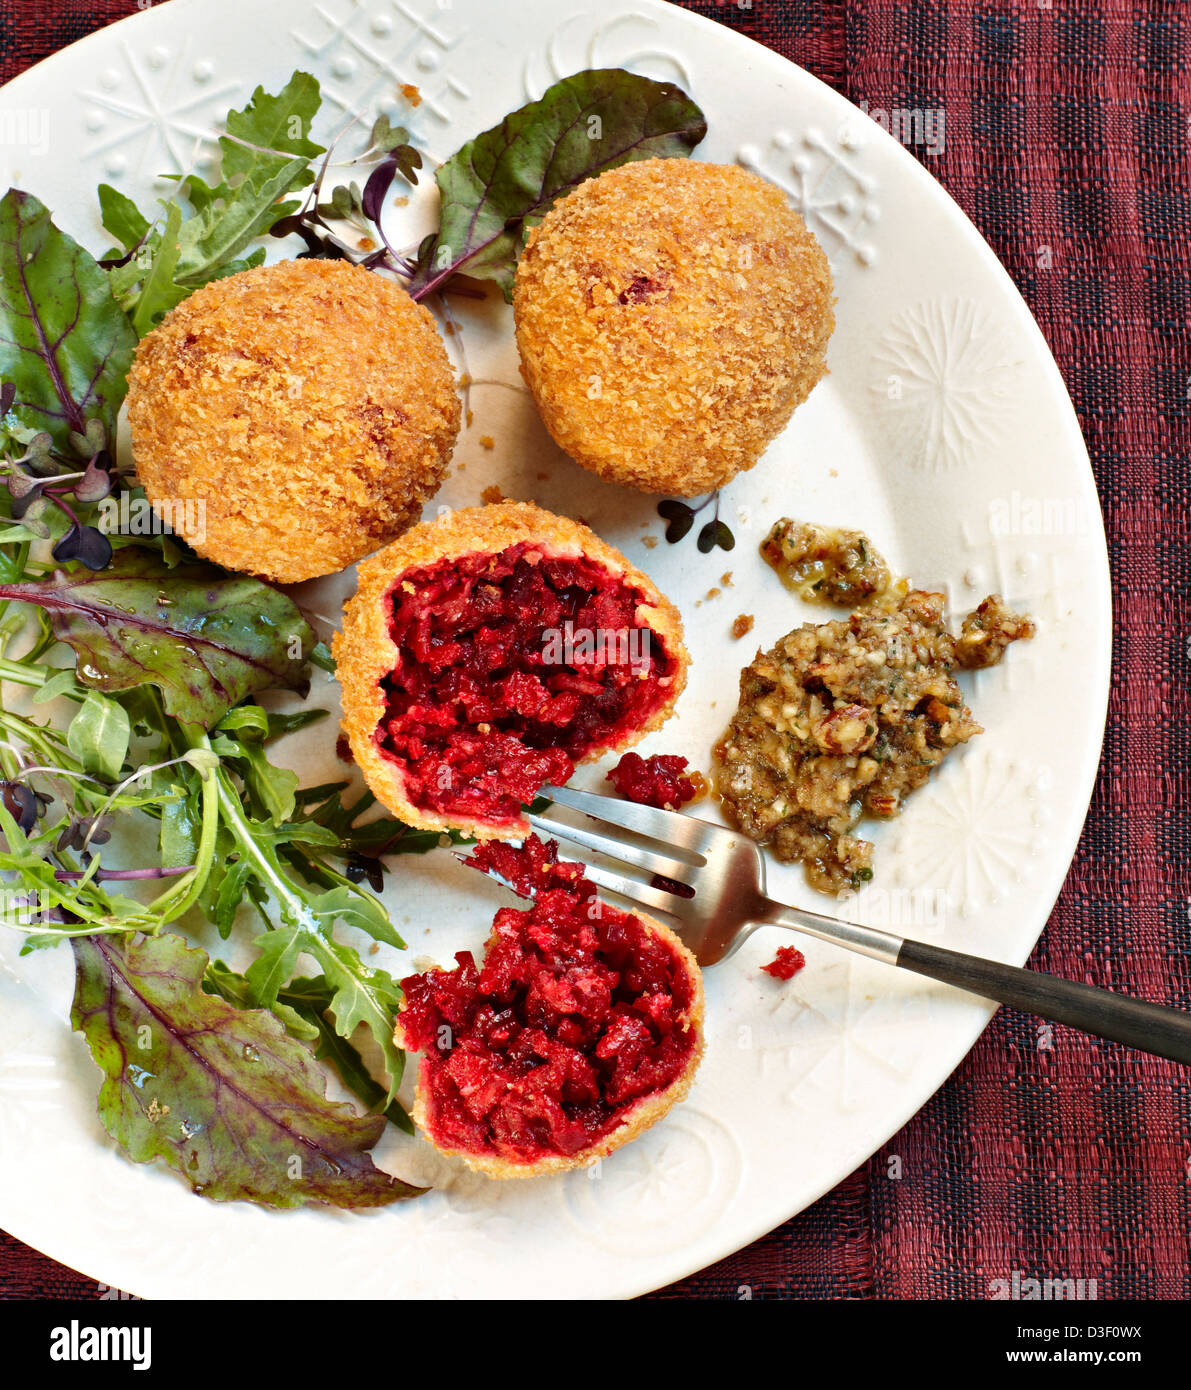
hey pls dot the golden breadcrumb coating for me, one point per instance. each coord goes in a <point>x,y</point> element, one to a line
<point>310,405</point>
<point>365,653</point>
<point>671,314</point>
<point>637,1118</point>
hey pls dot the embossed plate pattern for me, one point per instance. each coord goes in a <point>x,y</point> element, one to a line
<point>943,430</point>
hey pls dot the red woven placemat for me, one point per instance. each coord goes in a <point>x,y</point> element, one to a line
<point>1067,144</point>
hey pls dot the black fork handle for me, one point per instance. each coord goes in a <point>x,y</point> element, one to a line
<point>1153,1028</point>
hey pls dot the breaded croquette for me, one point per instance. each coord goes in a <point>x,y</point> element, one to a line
<point>309,406</point>
<point>671,314</point>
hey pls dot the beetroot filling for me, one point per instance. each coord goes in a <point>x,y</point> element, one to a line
<point>786,964</point>
<point>576,1013</point>
<point>660,780</point>
<point>513,667</point>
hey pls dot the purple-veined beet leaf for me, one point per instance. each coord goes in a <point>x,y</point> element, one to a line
<point>506,180</point>
<point>204,637</point>
<point>65,344</point>
<point>219,1094</point>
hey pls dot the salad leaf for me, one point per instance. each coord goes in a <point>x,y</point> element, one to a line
<point>265,155</point>
<point>300,922</point>
<point>65,344</point>
<point>219,978</point>
<point>98,735</point>
<point>219,1094</point>
<point>505,181</point>
<point>310,1000</point>
<point>359,994</point>
<point>204,637</point>
<point>120,216</point>
<point>159,293</point>
<point>303,1006</point>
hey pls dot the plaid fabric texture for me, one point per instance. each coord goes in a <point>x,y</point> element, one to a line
<point>1068,145</point>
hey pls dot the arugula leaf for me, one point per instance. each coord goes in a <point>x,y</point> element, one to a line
<point>205,638</point>
<point>219,978</point>
<point>310,999</point>
<point>302,1006</point>
<point>380,836</point>
<point>65,344</point>
<point>362,994</point>
<point>219,1094</point>
<point>359,994</point>
<point>277,956</point>
<point>268,156</point>
<point>265,155</point>
<point>159,294</point>
<point>274,787</point>
<point>506,180</point>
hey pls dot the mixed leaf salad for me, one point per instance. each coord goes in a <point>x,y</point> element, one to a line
<point>133,673</point>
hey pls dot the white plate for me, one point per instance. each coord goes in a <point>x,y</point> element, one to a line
<point>943,430</point>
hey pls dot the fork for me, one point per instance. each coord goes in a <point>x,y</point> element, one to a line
<point>718,899</point>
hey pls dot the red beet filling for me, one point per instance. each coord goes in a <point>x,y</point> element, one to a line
<point>513,667</point>
<point>786,964</point>
<point>660,780</point>
<point>576,1013</point>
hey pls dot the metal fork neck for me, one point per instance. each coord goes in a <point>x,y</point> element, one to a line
<point>868,941</point>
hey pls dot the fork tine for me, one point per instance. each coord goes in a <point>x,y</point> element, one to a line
<point>639,894</point>
<point>638,855</point>
<point>635,893</point>
<point>679,832</point>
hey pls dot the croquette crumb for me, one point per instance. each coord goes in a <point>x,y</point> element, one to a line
<point>726,579</point>
<point>742,626</point>
<point>714,593</point>
<point>487,442</point>
<point>492,494</point>
<point>649,542</point>
<point>411,94</point>
<point>671,314</point>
